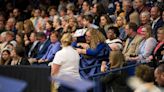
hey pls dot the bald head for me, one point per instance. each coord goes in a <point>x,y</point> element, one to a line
<point>155,12</point>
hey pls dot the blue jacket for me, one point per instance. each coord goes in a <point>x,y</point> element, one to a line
<point>42,51</point>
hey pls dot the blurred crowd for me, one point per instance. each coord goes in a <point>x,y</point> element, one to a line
<point>37,32</point>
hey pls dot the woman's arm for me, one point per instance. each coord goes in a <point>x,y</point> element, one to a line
<point>95,51</point>
<point>91,51</point>
<point>55,69</point>
<point>103,66</point>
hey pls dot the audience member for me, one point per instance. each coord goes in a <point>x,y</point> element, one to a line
<point>20,39</point>
<point>147,45</point>
<point>159,75</point>
<point>134,17</point>
<point>133,41</point>
<point>88,22</point>
<point>114,61</point>
<point>113,39</point>
<point>32,45</point>
<point>86,8</point>
<point>144,20</point>
<point>156,20</point>
<point>140,6</point>
<point>19,56</point>
<point>5,57</point>
<point>10,38</point>
<point>115,80</point>
<point>53,48</point>
<point>49,28</point>
<point>105,22</point>
<point>120,23</point>
<point>158,54</point>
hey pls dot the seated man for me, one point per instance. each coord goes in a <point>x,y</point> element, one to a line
<point>52,49</point>
<point>132,42</point>
<point>32,45</point>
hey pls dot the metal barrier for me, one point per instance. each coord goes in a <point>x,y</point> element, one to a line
<point>115,70</point>
<point>129,68</point>
<point>89,67</point>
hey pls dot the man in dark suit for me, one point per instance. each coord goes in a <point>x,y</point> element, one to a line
<point>44,43</point>
<point>156,20</point>
<point>33,45</point>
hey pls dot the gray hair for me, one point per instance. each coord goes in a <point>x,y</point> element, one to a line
<point>145,13</point>
<point>3,34</point>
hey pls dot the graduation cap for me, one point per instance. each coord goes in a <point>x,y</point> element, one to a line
<point>11,85</point>
<point>77,84</point>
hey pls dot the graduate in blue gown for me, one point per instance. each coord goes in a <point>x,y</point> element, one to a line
<point>93,52</point>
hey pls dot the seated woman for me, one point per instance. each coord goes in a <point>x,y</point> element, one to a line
<point>5,57</point>
<point>105,23</point>
<point>158,53</point>
<point>114,61</point>
<point>19,56</point>
<point>147,45</point>
<point>93,52</point>
<point>113,39</point>
<point>120,23</point>
<point>114,81</point>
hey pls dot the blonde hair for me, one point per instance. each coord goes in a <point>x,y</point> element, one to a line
<point>116,59</point>
<point>66,39</point>
<point>29,24</point>
<point>146,14</point>
<point>123,19</point>
<point>20,26</point>
<point>148,30</point>
<point>96,37</point>
<point>72,29</point>
<point>134,17</point>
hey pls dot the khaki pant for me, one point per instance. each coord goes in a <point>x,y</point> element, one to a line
<point>53,88</point>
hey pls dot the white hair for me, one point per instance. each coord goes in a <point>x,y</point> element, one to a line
<point>145,13</point>
<point>3,34</point>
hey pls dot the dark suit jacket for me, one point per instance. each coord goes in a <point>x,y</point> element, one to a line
<point>159,54</point>
<point>41,52</point>
<point>159,23</point>
<point>34,50</point>
<point>24,61</point>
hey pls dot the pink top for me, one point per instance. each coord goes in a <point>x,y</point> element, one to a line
<point>139,30</point>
